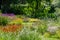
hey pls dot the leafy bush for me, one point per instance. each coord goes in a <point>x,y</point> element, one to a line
<point>28,11</point>
<point>39,9</point>
<point>4,20</point>
<point>16,9</point>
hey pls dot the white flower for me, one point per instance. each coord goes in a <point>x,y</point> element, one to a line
<point>52,29</point>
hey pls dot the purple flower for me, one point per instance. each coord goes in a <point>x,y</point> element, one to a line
<point>8,14</point>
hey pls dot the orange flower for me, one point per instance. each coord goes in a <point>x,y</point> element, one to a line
<point>11,28</point>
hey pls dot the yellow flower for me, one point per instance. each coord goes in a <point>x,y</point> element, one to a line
<point>33,20</point>
<point>17,21</point>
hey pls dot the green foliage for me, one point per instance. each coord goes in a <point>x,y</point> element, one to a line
<point>3,20</point>
<point>42,28</point>
<point>28,11</point>
<point>28,34</point>
<point>35,8</point>
<point>38,8</point>
<point>0,11</point>
<point>6,6</point>
<point>16,9</point>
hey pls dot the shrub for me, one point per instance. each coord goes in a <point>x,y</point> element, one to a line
<point>28,11</point>
<point>3,20</point>
<point>16,9</point>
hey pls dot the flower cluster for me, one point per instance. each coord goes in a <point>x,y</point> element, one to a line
<point>9,14</point>
<point>11,28</point>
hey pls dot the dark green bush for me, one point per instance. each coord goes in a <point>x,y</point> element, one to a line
<point>14,8</point>
<point>3,20</point>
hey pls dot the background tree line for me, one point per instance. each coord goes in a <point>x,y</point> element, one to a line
<point>30,8</point>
